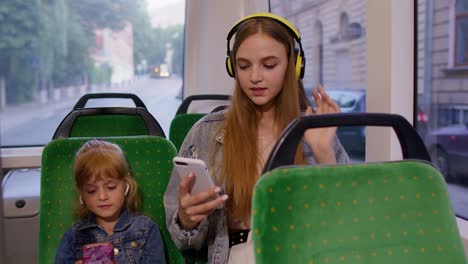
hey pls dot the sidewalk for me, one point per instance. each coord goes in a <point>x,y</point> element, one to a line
<point>14,116</point>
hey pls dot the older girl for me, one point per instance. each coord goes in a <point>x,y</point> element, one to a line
<point>236,142</point>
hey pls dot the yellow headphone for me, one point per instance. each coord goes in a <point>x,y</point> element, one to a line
<point>300,59</point>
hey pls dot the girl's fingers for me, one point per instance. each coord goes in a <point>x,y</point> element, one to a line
<point>201,197</point>
<point>335,106</point>
<point>323,94</point>
<point>185,186</point>
<point>318,100</point>
<point>206,208</point>
<point>309,111</point>
<point>330,106</point>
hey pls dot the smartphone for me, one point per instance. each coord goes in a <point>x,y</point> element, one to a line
<point>102,253</point>
<point>184,166</point>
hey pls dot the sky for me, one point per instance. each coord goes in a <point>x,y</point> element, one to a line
<point>165,13</point>
<point>159,3</point>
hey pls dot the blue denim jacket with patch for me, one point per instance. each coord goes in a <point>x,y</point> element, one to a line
<point>136,239</point>
<point>212,233</point>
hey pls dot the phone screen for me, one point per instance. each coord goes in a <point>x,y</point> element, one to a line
<point>98,253</point>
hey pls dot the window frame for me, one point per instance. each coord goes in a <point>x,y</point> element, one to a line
<point>457,17</point>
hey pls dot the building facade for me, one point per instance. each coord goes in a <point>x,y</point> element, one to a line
<point>445,60</point>
<point>333,37</point>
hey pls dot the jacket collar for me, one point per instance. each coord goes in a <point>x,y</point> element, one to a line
<point>89,222</point>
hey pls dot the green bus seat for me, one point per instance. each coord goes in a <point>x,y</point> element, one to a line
<point>108,121</point>
<point>181,125</point>
<point>85,121</point>
<point>386,212</point>
<point>150,160</point>
<point>183,121</point>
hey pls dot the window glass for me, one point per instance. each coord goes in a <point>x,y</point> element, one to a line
<point>443,91</point>
<point>52,52</point>
<point>462,6</point>
<point>462,41</point>
<point>334,44</point>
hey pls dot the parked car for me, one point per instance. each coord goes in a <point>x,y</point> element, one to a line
<point>353,138</point>
<point>448,147</point>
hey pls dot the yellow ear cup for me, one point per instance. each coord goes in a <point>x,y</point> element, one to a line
<point>229,67</point>
<point>299,66</point>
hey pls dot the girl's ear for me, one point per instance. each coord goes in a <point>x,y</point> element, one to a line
<point>81,200</point>
<point>126,189</point>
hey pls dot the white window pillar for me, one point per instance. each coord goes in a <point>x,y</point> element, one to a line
<point>390,48</point>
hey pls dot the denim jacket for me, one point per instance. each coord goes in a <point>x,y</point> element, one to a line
<point>136,239</point>
<point>212,232</point>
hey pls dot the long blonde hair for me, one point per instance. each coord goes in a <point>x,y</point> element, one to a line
<point>239,167</point>
<point>98,159</point>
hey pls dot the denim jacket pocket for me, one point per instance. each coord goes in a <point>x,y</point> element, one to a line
<point>134,249</point>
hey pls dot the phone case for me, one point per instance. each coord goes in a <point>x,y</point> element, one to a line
<point>184,166</point>
<point>98,253</point>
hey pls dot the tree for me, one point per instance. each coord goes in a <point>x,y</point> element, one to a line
<point>49,41</point>
<point>177,42</point>
<point>19,22</point>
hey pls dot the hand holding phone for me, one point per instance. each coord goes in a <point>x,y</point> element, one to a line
<point>198,196</point>
<point>184,166</point>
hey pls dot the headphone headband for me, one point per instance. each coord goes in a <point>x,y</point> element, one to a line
<point>285,23</point>
<point>300,60</point>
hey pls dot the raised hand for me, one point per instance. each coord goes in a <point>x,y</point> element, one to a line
<point>194,208</point>
<point>320,140</point>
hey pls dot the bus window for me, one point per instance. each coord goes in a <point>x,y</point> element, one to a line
<point>65,49</point>
<point>335,49</point>
<point>442,91</point>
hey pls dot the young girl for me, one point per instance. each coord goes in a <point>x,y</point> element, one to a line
<point>109,202</point>
<point>236,143</point>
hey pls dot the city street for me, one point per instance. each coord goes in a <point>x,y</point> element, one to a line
<point>35,124</point>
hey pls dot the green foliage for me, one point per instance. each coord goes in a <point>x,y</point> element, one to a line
<point>100,74</point>
<point>51,41</point>
<point>150,45</point>
<point>177,42</point>
<point>74,64</point>
<point>103,13</point>
<point>18,64</point>
<point>18,24</point>
<point>143,37</point>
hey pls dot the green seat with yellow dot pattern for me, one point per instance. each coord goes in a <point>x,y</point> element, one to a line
<point>386,212</point>
<point>396,212</point>
<point>150,160</point>
<point>183,121</point>
<point>181,125</point>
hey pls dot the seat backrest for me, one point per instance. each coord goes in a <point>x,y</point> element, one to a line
<point>183,121</point>
<point>388,212</point>
<point>150,160</point>
<point>396,212</point>
<point>108,121</point>
<point>180,126</point>
<point>81,103</point>
<point>184,106</point>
